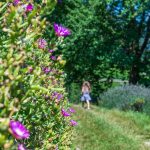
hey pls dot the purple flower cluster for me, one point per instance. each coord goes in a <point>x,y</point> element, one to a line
<point>16,2</point>
<point>21,147</point>
<point>30,69</point>
<point>46,70</point>
<point>53,57</point>
<point>71,110</point>
<point>41,43</point>
<point>19,131</point>
<point>57,96</point>
<point>29,7</point>
<point>51,50</point>
<point>61,31</point>
<point>65,113</point>
<point>73,123</point>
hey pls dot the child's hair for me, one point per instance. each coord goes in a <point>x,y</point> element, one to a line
<point>87,84</point>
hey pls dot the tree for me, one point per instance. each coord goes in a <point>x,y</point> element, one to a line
<point>110,38</point>
<point>134,20</point>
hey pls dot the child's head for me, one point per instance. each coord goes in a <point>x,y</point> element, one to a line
<point>86,84</point>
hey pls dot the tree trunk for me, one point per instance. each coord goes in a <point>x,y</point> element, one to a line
<point>134,73</point>
<point>135,68</point>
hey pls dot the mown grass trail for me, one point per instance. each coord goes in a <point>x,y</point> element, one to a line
<point>103,129</point>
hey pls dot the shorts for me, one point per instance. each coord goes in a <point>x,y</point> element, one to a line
<point>85,97</point>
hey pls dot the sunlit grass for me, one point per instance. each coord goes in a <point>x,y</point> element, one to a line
<point>102,129</point>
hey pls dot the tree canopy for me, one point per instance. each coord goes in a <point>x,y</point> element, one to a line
<point>110,39</point>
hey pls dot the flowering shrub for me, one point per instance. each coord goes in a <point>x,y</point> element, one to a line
<point>128,97</point>
<point>33,100</point>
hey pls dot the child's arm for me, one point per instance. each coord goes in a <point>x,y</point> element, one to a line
<point>82,90</point>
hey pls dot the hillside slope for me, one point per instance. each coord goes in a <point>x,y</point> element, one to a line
<point>103,129</point>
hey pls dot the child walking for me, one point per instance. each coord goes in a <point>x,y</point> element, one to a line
<point>86,89</point>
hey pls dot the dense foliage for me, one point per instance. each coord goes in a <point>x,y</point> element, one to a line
<point>128,97</point>
<point>34,111</point>
<point>110,39</point>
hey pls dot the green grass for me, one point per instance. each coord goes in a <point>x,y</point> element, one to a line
<point>103,129</point>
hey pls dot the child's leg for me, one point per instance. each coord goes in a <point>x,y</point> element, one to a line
<point>83,104</point>
<point>88,104</point>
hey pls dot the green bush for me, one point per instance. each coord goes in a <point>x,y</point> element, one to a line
<point>127,97</point>
<point>31,84</point>
<point>74,90</point>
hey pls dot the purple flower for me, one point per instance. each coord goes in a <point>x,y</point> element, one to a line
<point>59,96</point>
<point>16,2</point>
<point>29,7</point>
<point>72,110</point>
<point>41,43</point>
<point>73,123</point>
<point>18,130</point>
<point>30,69</point>
<point>51,51</point>
<point>53,57</point>
<point>61,31</point>
<point>46,70</point>
<point>21,147</point>
<point>65,113</point>
<point>54,94</point>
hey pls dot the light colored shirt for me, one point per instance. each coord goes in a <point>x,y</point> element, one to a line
<point>85,89</point>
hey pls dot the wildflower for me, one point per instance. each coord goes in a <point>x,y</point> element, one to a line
<point>61,31</point>
<point>30,69</point>
<point>21,147</point>
<point>53,57</point>
<point>65,113</point>
<point>54,94</point>
<point>41,43</point>
<point>59,96</point>
<point>72,110</point>
<point>73,123</point>
<point>18,130</point>
<point>29,7</point>
<point>46,70</point>
<point>16,2</point>
<point>51,51</point>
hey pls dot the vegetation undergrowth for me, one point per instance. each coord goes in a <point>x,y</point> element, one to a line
<point>101,128</point>
<point>127,97</point>
<point>34,110</point>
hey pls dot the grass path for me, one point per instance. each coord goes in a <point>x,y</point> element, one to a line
<point>102,129</point>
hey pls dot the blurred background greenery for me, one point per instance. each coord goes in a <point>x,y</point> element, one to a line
<point>109,45</point>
